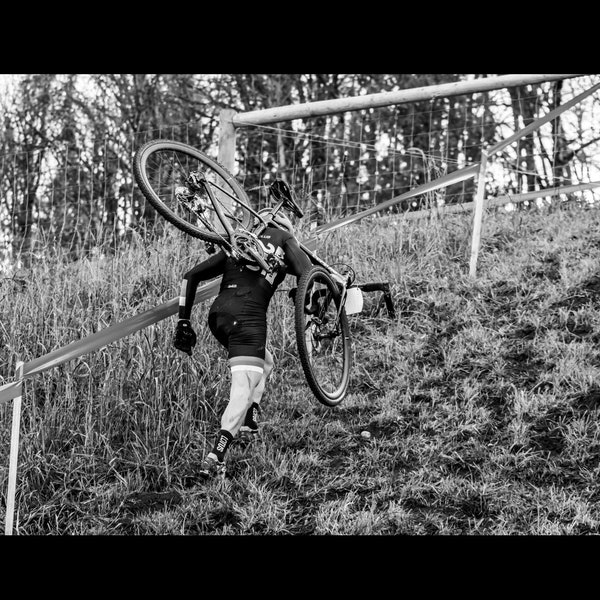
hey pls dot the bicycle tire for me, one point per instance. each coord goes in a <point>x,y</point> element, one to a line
<point>161,194</point>
<point>326,358</point>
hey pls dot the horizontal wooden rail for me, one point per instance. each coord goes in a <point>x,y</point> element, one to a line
<point>381,99</point>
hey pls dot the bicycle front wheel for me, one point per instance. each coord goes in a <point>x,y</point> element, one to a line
<point>323,336</point>
<point>191,190</point>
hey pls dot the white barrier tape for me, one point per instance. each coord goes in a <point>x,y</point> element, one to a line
<point>113,333</point>
<point>541,121</point>
<point>444,181</point>
<point>10,391</point>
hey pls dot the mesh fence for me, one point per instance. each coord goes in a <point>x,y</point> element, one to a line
<point>82,198</point>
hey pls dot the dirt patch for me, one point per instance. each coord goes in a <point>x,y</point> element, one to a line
<point>578,329</point>
<point>388,428</point>
<point>589,400</point>
<point>466,464</point>
<point>547,269</point>
<point>503,298</point>
<point>477,506</point>
<point>588,292</point>
<point>524,369</point>
<point>546,433</point>
<point>498,400</point>
<point>547,440</point>
<point>150,501</point>
<point>525,332</point>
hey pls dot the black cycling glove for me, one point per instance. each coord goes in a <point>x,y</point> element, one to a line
<point>185,337</point>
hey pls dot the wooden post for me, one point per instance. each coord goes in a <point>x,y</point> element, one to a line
<point>478,217</point>
<point>226,153</point>
<point>14,453</point>
<point>227,139</point>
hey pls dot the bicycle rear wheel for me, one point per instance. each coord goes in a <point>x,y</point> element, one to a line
<point>323,336</point>
<point>168,172</point>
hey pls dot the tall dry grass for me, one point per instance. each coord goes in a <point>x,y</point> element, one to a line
<point>481,397</point>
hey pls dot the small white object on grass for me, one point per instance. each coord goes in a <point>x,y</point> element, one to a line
<point>366,434</point>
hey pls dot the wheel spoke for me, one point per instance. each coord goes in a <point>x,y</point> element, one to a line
<point>184,185</point>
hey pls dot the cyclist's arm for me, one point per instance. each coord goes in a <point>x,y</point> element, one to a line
<point>211,267</point>
<point>296,259</point>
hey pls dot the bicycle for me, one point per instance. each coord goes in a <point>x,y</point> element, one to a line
<point>200,197</point>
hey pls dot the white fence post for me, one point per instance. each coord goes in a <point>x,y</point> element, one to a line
<point>14,454</point>
<point>478,217</point>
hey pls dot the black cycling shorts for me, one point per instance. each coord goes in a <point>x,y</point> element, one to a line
<point>239,323</point>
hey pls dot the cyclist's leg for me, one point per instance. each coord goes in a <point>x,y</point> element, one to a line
<point>246,374</point>
<point>259,390</point>
<point>251,363</point>
<point>245,340</point>
<point>250,424</point>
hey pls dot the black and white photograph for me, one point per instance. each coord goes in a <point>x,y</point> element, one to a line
<point>300,305</point>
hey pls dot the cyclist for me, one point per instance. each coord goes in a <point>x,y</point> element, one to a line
<point>238,320</point>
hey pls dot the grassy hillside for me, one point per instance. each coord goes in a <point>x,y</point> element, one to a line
<point>481,397</point>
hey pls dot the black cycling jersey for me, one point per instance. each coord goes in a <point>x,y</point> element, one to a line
<point>238,315</point>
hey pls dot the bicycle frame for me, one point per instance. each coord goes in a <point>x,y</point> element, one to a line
<point>232,238</point>
<point>231,242</point>
<point>236,251</point>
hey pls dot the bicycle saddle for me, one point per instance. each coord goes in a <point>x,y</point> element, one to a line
<point>282,192</point>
